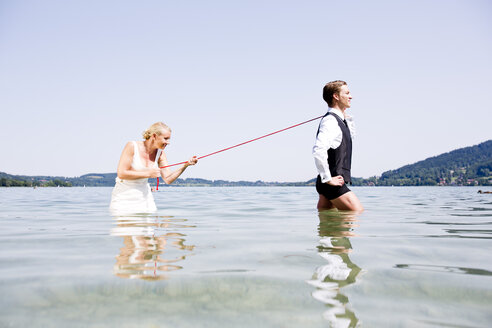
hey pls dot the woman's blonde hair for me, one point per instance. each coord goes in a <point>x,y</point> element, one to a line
<point>155,128</point>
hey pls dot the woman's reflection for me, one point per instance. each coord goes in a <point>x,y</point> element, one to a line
<point>335,229</point>
<point>149,252</point>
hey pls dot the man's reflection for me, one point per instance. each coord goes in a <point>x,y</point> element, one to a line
<point>334,247</point>
<point>149,252</point>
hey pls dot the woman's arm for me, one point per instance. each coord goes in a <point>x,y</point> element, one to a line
<point>125,170</point>
<point>168,176</point>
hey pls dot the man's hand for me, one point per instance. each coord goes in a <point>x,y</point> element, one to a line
<point>336,181</point>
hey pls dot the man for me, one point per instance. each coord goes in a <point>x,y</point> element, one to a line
<point>333,151</point>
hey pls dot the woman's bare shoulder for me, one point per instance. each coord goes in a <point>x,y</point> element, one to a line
<point>129,147</point>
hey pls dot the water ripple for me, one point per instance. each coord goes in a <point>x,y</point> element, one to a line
<point>447,269</point>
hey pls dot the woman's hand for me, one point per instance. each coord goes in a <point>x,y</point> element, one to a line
<point>191,161</point>
<point>336,181</point>
<point>154,172</point>
<point>170,177</point>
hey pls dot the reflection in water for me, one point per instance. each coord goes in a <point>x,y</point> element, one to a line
<point>151,247</point>
<point>334,229</point>
<point>440,268</point>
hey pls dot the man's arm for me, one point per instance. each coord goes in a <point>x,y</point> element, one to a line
<point>329,136</point>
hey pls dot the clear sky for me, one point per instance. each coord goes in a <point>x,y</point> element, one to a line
<point>78,79</point>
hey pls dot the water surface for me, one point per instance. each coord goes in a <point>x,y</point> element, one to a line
<point>242,257</point>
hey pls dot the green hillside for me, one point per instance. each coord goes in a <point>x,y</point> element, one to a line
<point>461,167</point>
<point>9,180</point>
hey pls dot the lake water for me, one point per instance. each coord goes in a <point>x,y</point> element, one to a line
<point>246,257</point>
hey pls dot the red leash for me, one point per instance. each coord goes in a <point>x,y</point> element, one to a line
<point>242,143</point>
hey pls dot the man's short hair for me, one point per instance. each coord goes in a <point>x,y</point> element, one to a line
<point>330,89</point>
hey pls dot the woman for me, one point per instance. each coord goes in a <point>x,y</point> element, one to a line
<point>139,161</point>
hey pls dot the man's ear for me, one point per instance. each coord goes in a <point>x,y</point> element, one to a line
<point>336,96</point>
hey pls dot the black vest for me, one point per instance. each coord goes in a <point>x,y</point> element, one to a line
<point>340,159</point>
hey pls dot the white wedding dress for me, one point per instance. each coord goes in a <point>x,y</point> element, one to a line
<point>133,196</point>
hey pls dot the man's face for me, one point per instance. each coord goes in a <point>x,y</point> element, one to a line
<point>344,97</point>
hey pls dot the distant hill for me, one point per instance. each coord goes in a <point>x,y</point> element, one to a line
<point>108,179</point>
<point>461,167</point>
<point>94,180</point>
<point>9,180</point>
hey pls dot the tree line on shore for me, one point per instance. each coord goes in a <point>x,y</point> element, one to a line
<point>461,167</point>
<point>469,166</point>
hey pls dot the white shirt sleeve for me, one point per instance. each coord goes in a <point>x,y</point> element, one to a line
<point>329,136</point>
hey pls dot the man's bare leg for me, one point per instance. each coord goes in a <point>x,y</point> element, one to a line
<point>324,203</point>
<point>347,202</point>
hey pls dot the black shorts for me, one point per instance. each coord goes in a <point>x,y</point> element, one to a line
<point>330,192</point>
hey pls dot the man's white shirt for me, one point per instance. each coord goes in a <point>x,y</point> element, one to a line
<point>329,136</point>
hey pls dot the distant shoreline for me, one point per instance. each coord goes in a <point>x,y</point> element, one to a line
<point>107,180</point>
<point>485,191</point>
<point>468,166</point>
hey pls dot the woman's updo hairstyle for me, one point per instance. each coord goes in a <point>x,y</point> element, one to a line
<point>155,128</point>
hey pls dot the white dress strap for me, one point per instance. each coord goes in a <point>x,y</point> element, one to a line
<point>137,162</point>
<point>157,156</point>
<point>136,155</point>
<point>135,148</point>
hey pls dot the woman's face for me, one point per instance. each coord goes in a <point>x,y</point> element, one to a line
<point>163,139</point>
